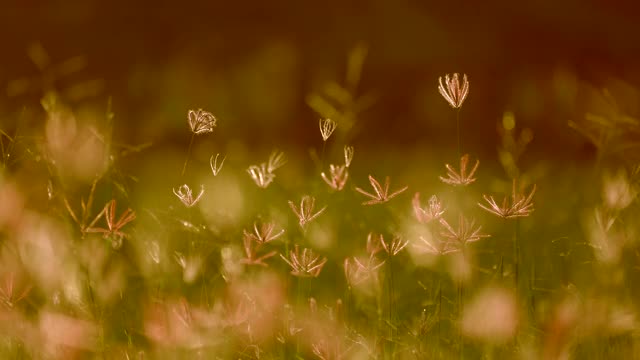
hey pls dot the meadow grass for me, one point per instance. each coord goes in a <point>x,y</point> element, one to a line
<point>242,259</point>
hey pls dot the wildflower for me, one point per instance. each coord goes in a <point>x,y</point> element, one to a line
<point>260,175</point>
<point>461,178</point>
<point>113,226</point>
<point>394,246</point>
<point>201,121</point>
<point>215,168</point>
<point>382,195</point>
<point>338,178</point>
<point>521,205</point>
<point>264,233</point>
<point>451,90</point>
<point>432,212</point>
<point>185,195</point>
<point>327,126</point>
<point>305,263</point>
<point>305,213</point>
<point>465,233</point>
<point>348,155</point>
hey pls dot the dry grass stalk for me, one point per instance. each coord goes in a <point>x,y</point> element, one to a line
<point>327,127</point>
<point>452,91</point>
<point>348,155</point>
<point>465,233</point>
<point>461,178</point>
<point>263,174</point>
<point>393,247</point>
<point>427,214</point>
<point>185,195</point>
<point>113,226</point>
<point>201,122</point>
<point>381,193</point>
<point>521,205</point>
<point>305,212</point>
<point>338,176</point>
<point>305,263</point>
<point>213,162</point>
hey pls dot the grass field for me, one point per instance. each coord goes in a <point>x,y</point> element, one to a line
<point>203,248</point>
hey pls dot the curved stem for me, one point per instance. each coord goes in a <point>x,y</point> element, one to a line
<point>324,145</point>
<point>186,161</point>
<point>391,310</point>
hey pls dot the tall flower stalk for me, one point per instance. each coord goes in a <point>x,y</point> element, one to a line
<point>200,122</point>
<point>454,93</point>
<point>392,248</point>
<point>327,127</point>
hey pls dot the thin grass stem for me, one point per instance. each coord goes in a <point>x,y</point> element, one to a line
<point>391,309</point>
<point>458,132</point>
<point>186,161</point>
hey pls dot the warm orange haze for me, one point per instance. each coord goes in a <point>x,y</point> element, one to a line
<point>337,180</point>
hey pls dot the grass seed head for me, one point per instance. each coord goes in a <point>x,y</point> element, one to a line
<point>305,263</point>
<point>305,212</point>
<point>381,193</point>
<point>461,178</point>
<point>327,126</point>
<point>453,91</point>
<point>337,178</point>
<point>185,195</point>
<point>348,155</point>
<point>201,122</point>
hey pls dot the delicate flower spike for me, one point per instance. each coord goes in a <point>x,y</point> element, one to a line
<point>348,155</point>
<point>465,233</point>
<point>305,213</point>
<point>461,178</point>
<point>452,91</point>
<point>382,194</point>
<point>201,121</point>
<point>432,212</point>
<point>521,205</point>
<point>327,126</point>
<point>394,246</point>
<point>304,263</point>
<point>260,175</point>
<point>185,195</point>
<point>276,160</point>
<point>264,233</point>
<point>338,178</point>
<point>215,168</point>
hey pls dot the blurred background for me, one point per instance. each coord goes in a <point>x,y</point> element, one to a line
<point>254,65</point>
